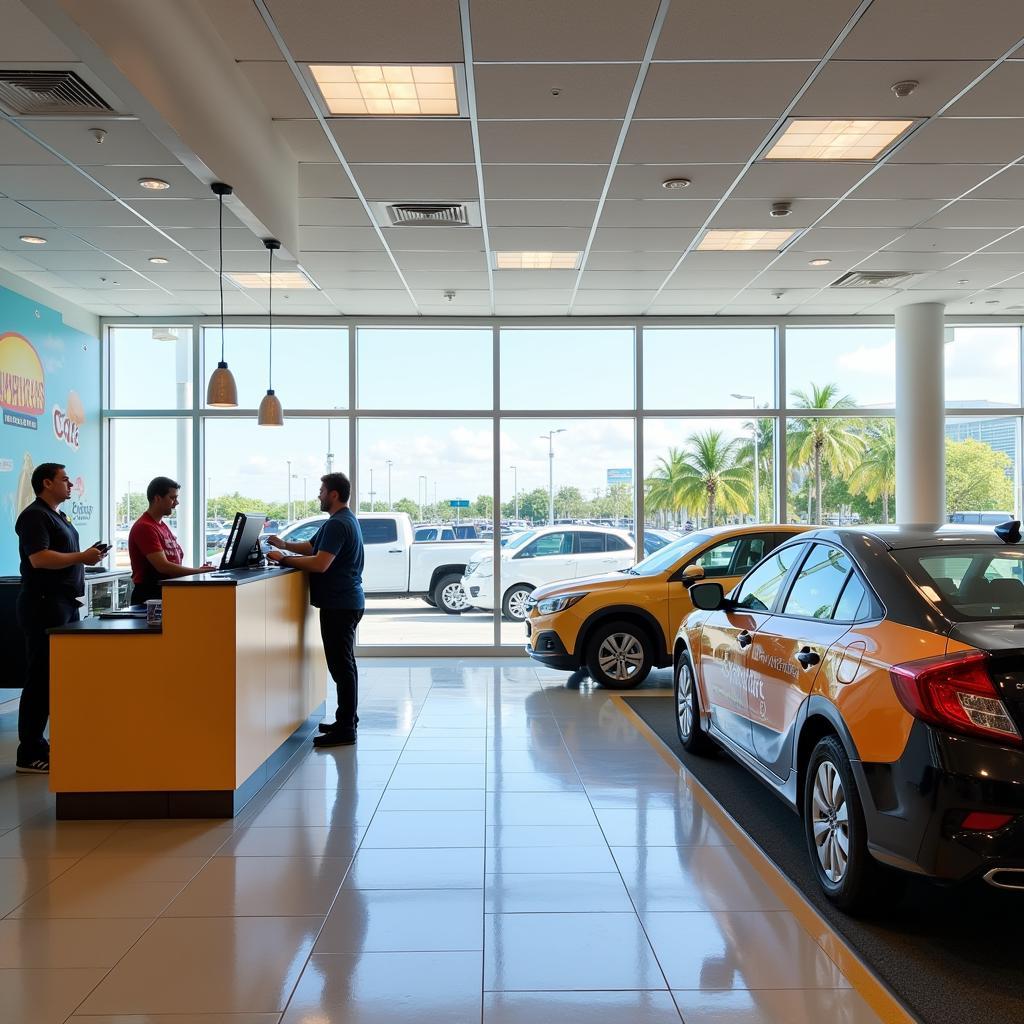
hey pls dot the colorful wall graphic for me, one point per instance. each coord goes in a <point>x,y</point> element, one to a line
<point>50,405</point>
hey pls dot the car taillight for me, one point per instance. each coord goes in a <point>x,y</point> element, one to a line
<point>955,692</point>
<point>981,821</point>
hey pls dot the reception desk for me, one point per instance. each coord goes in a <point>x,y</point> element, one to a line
<point>190,718</point>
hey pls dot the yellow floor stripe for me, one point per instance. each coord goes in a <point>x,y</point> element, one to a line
<point>871,989</point>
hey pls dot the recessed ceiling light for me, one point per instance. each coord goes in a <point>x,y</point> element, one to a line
<point>159,260</point>
<point>154,184</point>
<point>536,260</point>
<point>836,139</point>
<point>375,90</point>
<point>744,240</point>
<point>674,183</point>
<point>822,262</point>
<point>33,239</point>
<point>282,279</point>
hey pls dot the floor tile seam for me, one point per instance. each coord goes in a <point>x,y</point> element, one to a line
<point>35,892</point>
<point>629,895</point>
<point>875,992</point>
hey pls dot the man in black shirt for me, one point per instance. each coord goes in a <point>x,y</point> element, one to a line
<point>334,561</point>
<point>52,579</point>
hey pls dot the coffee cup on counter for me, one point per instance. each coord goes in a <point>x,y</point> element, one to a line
<point>154,612</point>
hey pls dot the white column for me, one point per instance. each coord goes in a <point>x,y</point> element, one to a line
<point>920,414</point>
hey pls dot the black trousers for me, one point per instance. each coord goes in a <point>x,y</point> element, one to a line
<point>338,630</point>
<point>143,592</point>
<point>36,614</point>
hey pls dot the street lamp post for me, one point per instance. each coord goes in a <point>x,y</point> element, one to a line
<point>515,486</point>
<point>288,463</point>
<point>424,492</point>
<point>372,492</point>
<point>757,458</point>
<point>391,507</point>
<point>551,472</point>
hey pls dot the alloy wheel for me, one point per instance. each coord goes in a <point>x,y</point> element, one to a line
<point>830,822</point>
<point>454,597</point>
<point>684,701</point>
<point>620,656</point>
<point>517,605</point>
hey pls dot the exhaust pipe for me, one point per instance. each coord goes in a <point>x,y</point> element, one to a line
<point>1006,878</point>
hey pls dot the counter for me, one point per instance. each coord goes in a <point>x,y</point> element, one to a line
<point>189,718</point>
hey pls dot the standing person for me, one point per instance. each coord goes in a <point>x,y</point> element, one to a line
<point>153,549</point>
<point>52,580</point>
<point>334,561</point>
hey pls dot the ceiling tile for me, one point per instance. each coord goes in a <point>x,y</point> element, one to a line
<point>126,142</point>
<point>1011,243</point>
<point>332,212</point>
<point>50,182</point>
<point>543,181</point>
<point>513,308</point>
<point>525,298</point>
<point>240,26</point>
<point>644,181</point>
<point>720,90</point>
<point>378,280</point>
<point>17,148</point>
<point>56,240</point>
<point>26,38</point>
<point>556,30</point>
<point>933,30</point>
<point>912,261</point>
<point>686,279</point>
<point>693,142</point>
<point>909,181</point>
<point>755,213</point>
<point>533,280</point>
<point>980,213</point>
<point>851,88</point>
<point>964,140</point>
<point>972,278</point>
<point>662,261</point>
<point>123,181</point>
<point>798,180</point>
<point>800,261</point>
<point>553,142</point>
<point>275,85</point>
<point>205,239</point>
<point>844,239</point>
<point>643,239</point>
<point>1007,183</point>
<point>949,240</point>
<point>550,213</point>
<point>997,94</point>
<point>631,280</point>
<point>653,213</point>
<point>782,29</point>
<point>718,261</point>
<point>83,259</point>
<point>528,90</point>
<point>16,215</point>
<point>340,239</point>
<point>804,279</point>
<point>414,141</point>
<point>368,32</point>
<point>74,213</point>
<point>306,140</point>
<point>320,262</point>
<point>452,261</point>
<point>436,281</point>
<point>435,239</point>
<point>184,213</point>
<point>544,239</point>
<point>359,303</point>
<point>881,213</point>
<point>426,182</point>
<point>324,181</point>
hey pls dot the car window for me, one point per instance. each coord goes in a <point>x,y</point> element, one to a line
<point>818,584</point>
<point>305,532</point>
<point>613,543</point>
<point>652,542</point>
<point>591,543</point>
<point>425,534</point>
<point>750,551</point>
<point>667,557</point>
<point>548,544</point>
<point>379,531</point>
<point>447,535</point>
<point>853,602</point>
<point>518,540</point>
<point>716,561</point>
<point>980,582</point>
<point>759,590</point>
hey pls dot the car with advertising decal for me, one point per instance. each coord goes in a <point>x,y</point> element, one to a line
<point>619,625</point>
<point>874,679</point>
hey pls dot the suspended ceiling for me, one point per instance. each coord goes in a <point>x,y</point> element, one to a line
<point>579,110</point>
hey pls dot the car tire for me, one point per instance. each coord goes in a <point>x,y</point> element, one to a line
<point>620,655</point>
<point>513,604</point>
<point>687,703</point>
<point>429,599</point>
<point>836,835</point>
<point>449,596</point>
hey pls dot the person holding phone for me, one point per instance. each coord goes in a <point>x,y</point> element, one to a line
<point>52,581</point>
<point>153,549</point>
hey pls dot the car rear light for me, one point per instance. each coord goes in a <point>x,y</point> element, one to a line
<point>955,692</point>
<point>980,821</point>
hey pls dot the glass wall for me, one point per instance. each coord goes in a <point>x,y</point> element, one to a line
<point>488,459</point>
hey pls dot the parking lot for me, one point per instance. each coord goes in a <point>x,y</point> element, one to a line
<point>410,621</point>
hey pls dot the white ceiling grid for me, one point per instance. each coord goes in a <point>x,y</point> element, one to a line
<point>578,112</point>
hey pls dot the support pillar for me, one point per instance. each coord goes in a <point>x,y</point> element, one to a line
<point>920,414</point>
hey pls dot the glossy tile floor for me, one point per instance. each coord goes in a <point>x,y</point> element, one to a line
<point>499,849</point>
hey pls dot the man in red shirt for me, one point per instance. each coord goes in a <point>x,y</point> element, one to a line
<point>154,551</point>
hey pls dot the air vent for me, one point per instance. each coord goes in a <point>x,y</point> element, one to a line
<point>873,279</point>
<point>459,215</point>
<point>27,93</point>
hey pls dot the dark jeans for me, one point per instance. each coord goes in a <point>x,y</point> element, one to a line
<point>143,592</point>
<point>338,630</point>
<point>36,614</point>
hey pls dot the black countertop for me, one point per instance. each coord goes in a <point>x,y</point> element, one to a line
<point>94,624</point>
<point>229,578</point>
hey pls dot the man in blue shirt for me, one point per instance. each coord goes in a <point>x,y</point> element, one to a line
<point>334,561</point>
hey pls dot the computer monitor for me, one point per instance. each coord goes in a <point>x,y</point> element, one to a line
<point>244,536</point>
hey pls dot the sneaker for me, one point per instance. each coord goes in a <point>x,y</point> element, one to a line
<point>329,727</point>
<point>335,738</point>
<point>40,766</point>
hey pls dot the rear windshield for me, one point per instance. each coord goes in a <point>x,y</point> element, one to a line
<point>975,582</point>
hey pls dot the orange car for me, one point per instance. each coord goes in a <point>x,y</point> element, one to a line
<point>874,678</point>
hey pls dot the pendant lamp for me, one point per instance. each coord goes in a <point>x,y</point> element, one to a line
<point>271,414</point>
<point>222,391</point>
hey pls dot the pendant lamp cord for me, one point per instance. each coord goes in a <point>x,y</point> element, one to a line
<point>270,321</point>
<point>220,245</point>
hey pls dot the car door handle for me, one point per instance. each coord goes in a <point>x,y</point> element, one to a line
<point>807,657</point>
<point>744,638</point>
<point>394,551</point>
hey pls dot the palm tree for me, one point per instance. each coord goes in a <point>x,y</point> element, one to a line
<point>712,475</point>
<point>765,427</point>
<point>875,475</point>
<point>823,441</point>
<point>664,485</point>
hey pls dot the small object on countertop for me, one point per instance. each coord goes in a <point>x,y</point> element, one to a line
<point>154,611</point>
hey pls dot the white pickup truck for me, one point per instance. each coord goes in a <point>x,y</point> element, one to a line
<point>398,565</point>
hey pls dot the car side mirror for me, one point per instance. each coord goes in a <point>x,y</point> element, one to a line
<point>691,574</point>
<point>707,596</point>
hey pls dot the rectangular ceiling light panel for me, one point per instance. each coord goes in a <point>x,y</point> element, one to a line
<point>284,279</point>
<point>754,240</point>
<point>536,260</point>
<point>390,90</point>
<point>836,139</point>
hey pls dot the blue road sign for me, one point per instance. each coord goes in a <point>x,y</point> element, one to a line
<point>461,503</point>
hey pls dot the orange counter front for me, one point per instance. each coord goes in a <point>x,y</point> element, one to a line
<point>188,719</point>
